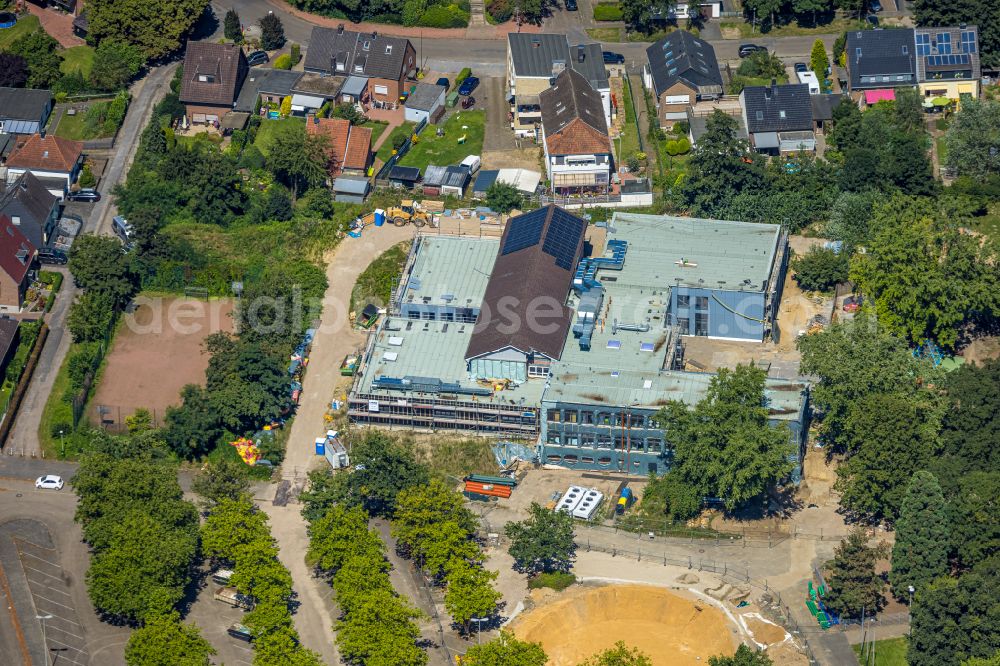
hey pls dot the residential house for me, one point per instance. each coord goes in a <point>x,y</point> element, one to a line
<point>55,161</point>
<point>698,114</point>
<point>681,70</point>
<point>424,102</point>
<point>533,61</point>
<point>880,59</point>
<point>578,156</point>
<point>31,208</point>
<point>376,66</point>
<point>947,63</point>
<point>822,107</point>
<point>312,91</point>
<point>350,145</point>
<point>779,119</point>
<point>23,110</point>
<point>268,86</point>
<point>213,76</point>
<point>10,336</point>
<point>16,256</point>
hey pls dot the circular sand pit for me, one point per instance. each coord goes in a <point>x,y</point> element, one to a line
<point>671,629</point>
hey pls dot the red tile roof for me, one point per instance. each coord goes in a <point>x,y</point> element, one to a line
<point>350,147</point>
<point>578,138</point>
<point>49,153</point>
<point>16,251</point>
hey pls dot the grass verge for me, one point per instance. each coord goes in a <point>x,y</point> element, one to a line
<point>628,143</point>
<point>377,127</point>
<point>445,150</point>
<point>890,652</point>
<point>605,34</point>
<point>793,29</point>
<point>557,580</point>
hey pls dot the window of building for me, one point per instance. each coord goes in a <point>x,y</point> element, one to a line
<point>554,416</point>
<point>701,324</point>
<point>684,324</point>
<point>701,303</point>
<point>553,438</point>
<point>413,314</point>
<point>570,416</point>
<point>587,440</point>
<point>603,418</point>
<point>683,301</point>
<point>604,441</point>
<point>381,90</point>
<point>572,440</point>
<point>538,371</point>
<point>654,445</point>
<point>620,443</point>
<point>429,316</point>
<point>588,417</point>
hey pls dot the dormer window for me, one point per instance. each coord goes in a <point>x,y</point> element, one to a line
<point>388,49</point>
<point>206,78</point>
<point>341,66</point>
<point>359,69</point>
<point>781,114</point>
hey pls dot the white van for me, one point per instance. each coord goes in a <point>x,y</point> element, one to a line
<point>473,162</point>
<point>122,228</point>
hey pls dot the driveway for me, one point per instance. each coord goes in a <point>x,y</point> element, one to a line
<point>490,96</point>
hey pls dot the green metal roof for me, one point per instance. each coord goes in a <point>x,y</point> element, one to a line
<point>449,266</point>
<point>665,251</point>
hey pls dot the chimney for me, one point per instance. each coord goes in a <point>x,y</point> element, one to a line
<point>374,35</point>
<point>340,29</point>
<point>581,54</point>
<point>41,132</point>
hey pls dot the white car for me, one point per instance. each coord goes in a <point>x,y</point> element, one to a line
<point>49,481</point>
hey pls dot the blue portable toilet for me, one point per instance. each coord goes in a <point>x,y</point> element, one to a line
<point>321,446</point>
<point>379,217</point>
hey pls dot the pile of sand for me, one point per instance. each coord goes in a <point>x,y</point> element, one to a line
<point>671,629</point>
<point>765,632</point>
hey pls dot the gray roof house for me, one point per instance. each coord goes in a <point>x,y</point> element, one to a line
<point>779,119</point>
<point>680,57</point>
<point>948,62</point>
<point>881,59</point>
<point>266,82</point>
<point>31,208</point>
<point>23,110</point>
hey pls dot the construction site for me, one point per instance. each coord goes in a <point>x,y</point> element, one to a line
<point>571,337</point>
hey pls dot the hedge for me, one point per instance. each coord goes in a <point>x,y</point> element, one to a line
<point>283,61</point>
<point>607,12</point>
<point>440,16</point>
<point>463,75</point>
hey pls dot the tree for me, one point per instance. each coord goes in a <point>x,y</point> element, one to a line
<point>973,139</point>
<point>348,112</point>
<point>745,656</point>
<point>639,15</point>
<point>233,27</point>
<point>297,159</point>
<point>725,446</point>
<point>506,650</point>
<point>38,50</point>
<point>246,385</point>
<point>194,428</point>
<point>820,269</point>
<point>920,553</point>
<point>141,420</point>
<point>979,661</point>
<point>619,655</point>
<point>13,70</point>
<point>543,542</point>
<point>221,480</point>
<point>90,316</point>
<point>98,264</point>
<point>272,33</point>
<point>432,526</point>
<point>951,619</point>
<point>818,62</point>
<point>232,524</point>
<point>339,535</point>
<point>382,469</point>
<point>116,62</point>
<point>853,585</point>
<point>849,218</point>
<point>157,27</point>
<point>813,7</point>
<point>503,197</point>
<point>974,518</point>
<point>380,630</point>
<point>323,491</point>
<point>166,641</point>
<point>470,594</point>
<point>924,275</point>
<point>721,167</point>
<point>969,427</point>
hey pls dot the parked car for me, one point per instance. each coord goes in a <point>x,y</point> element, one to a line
<point>443,81</point>
<point>468,86</point>
<point>612,58</point>
<point>571,5</point>
<point>85,196</point>
<point>122,228</point>
<point>468,102</point>
<point>49,482</point>
<point>853,303</point>
<point>875,6</point>
<point>750,49</point>
<point>51,256</point>
<point>240,631</point>
<point>257,58</point>
<point>801,67</point>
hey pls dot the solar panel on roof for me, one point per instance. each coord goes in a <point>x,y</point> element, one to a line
<point>968,41</point>
<point>923,45</point>
<point>525,231</point>
<point>563,237</point>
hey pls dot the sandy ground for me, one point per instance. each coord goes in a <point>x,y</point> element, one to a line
<point>528,157</point>
<point>157,351</point>
<point>670,628</point>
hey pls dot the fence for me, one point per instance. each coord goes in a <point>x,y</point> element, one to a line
<point>196,292</point>
<point>80,399</point>
<point>383,173</point>
<point>772,536</point>
<point>113,419</point>
<point>13,401</point>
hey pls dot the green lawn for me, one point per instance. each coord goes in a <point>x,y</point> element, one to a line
<point>605,34</point>
<point>25,26</point>
<point>446,150</point>
<point>628,144</point>
<point>71,127</point>
<point>660,34</point>
<point>837,25</point>
<point>890,652</point>
<point>77,59</point>
<point>268,128</point>
<point>55,411</point>
<point>377,127</point>
<point>385,151</point>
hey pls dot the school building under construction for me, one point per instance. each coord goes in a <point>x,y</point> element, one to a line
<point>571,337</point>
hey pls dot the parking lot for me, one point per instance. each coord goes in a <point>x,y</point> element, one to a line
<point>213,618</point>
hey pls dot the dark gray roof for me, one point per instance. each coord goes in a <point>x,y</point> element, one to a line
<point>539,252</point>
<point>958,52</point>
<point>29,200</point>
<point>680,56</point>
<point>8,334</point>
<point>434,176</point>
<point>23,103</point>
<point>426,97</point>
<point>484,179</point>
<point>351,185</point>
<point>384,56</point>
<point>699,125</point>
<point>571,97</point>
<point>533,55</point>
<point>265,80</point>
<point>777,108</point>
<point>456,176</point>
<point>887,55</point>
<point>591,65</point>
<point>406,173</point>
<point>823,105</point>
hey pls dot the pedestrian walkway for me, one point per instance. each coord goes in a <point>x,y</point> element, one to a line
<point>479,31</point>
<point>58,24</point>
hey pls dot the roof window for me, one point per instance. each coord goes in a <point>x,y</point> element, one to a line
<point>388,49</point>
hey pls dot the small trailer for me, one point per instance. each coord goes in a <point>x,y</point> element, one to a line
<point>232,596</point>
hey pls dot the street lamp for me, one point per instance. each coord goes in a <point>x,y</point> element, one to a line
<point>479,628</point>
<point>45,645</point>
<point>909,609</point>
<point>62,442</point>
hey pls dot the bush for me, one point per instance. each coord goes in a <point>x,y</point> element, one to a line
<point>283,61</point>
<point>440,16</point>
<point>463,75</point>
<point>398,141</point>
<point>681,128</point>
<point>116,113</point>
<point>500,10</point>
<point>557,580</point>
<point>296,54</point>
<point>607,12</point>
<point>87,179</point>
<point>679,146</point>
<point>820,269</point>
